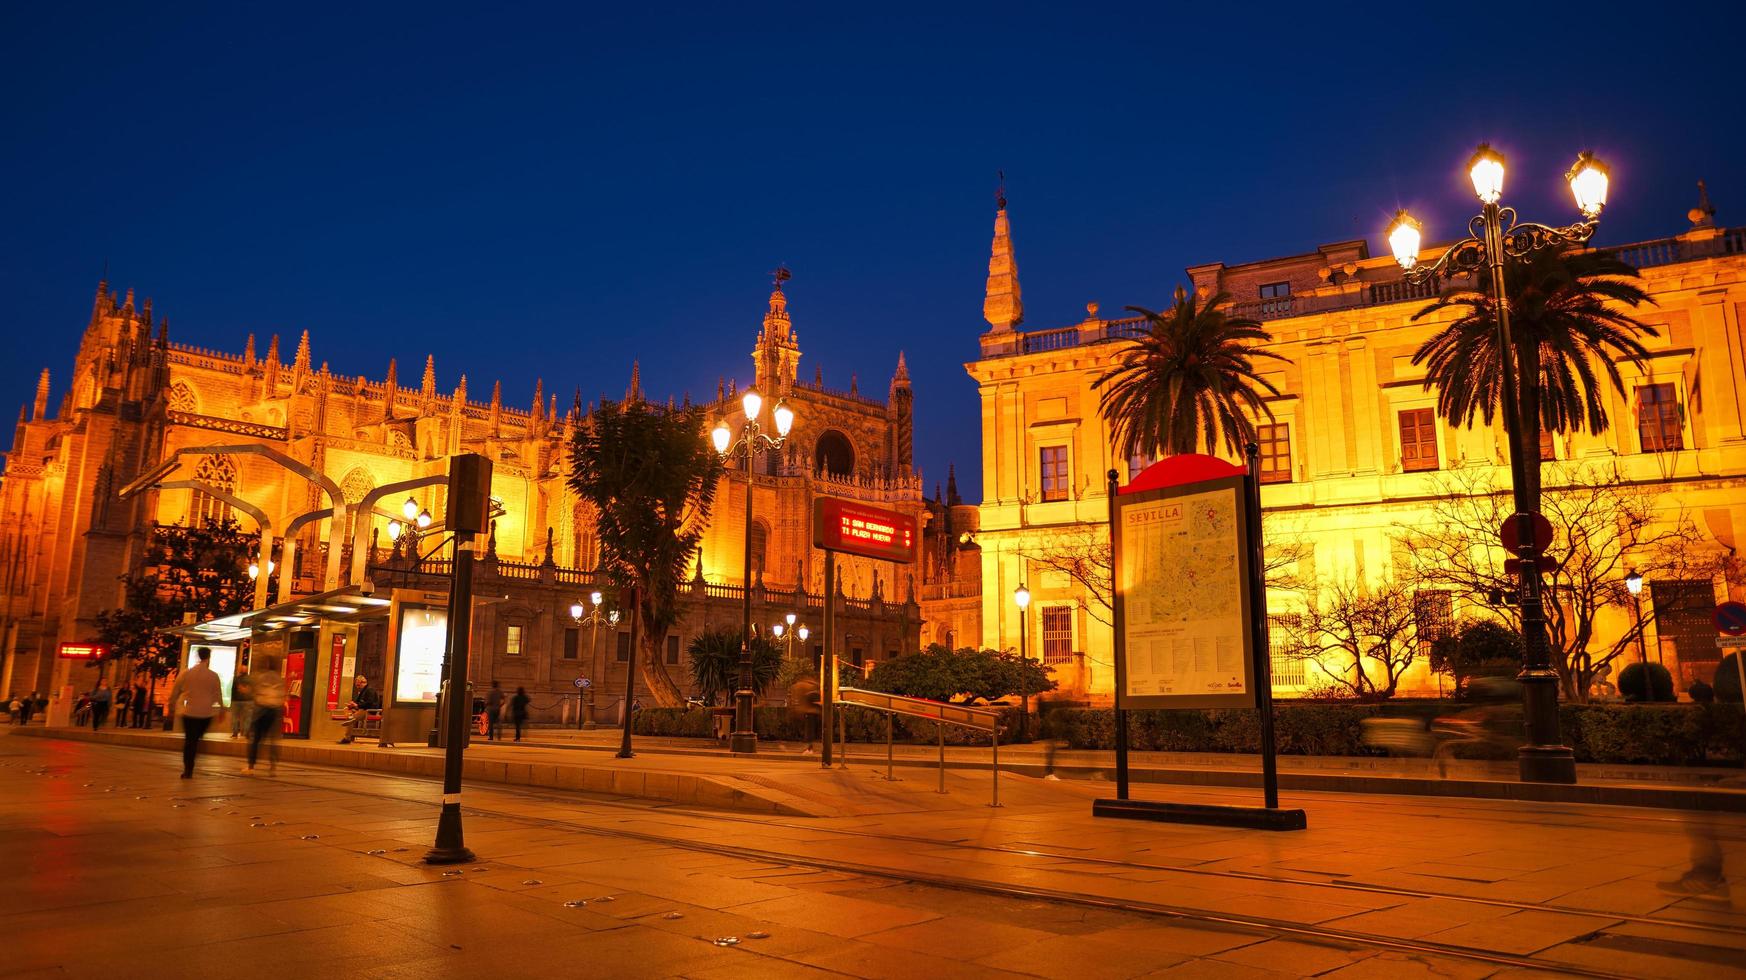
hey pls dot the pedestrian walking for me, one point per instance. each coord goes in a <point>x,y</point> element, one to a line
<point>242,701</point>
<point>15,709</point>
<point>268,687</point>
<point>142,707</point>
<point>493,711</point>
<point>100,701</point>
<point>197,697</point>
<point>28,709</point>
<point>123,701</point>
<point>518,710</point>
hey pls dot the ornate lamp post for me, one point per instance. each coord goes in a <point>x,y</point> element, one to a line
<point>1022,596</point>
<point>751,442</point>
<point>1497,235</point>
<point>790,632</point>
<point>591,619</point>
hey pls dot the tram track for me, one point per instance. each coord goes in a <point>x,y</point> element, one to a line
<point>319,779</point>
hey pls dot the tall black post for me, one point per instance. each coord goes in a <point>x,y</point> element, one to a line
<point>827,670</point>
<point>1263,656</point>
<point>469,507</point>
<point>1121,658</point>
<point>630,674</point>
<point>745,736</point>
<point>1544,759</point>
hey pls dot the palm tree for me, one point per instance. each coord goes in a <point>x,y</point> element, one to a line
<point>1568,314</point>
<point>715,662</point>
<point>1188,381</point>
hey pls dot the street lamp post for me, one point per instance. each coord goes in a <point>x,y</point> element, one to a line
<point>1634,585</point>
<point>591,619</point>
<point>1496,235</point>
<point>751,443</point>
<point>1022,596</point>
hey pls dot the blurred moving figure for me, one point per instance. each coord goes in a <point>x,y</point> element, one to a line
<point>1706,879</point>
<point>1490,721</point>
<point>268,687</point>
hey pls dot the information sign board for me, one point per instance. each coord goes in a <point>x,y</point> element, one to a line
<point>854,528</point>
<point>1183,596</point>
<point>82,651</point>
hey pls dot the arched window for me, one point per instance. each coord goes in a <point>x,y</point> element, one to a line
<point>356,484</point>
<point>218,472</point>
<point>183,399</point>
<point>834,454</point>
<point>760,548</point>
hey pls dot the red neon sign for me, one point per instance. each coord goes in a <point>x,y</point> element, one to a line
<point>83,651</point>
<point>859,529</point>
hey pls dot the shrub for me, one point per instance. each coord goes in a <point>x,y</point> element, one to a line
<point>941,674</point>
<point>1631,683</point>
<point>1480,648</point>
<point>1727,679</point>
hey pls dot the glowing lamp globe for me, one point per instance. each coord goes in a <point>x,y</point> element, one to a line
<point>1404,235</point>
<point>1588,183</point>
<point>1022,596</point>
<point>752,402</point>
<point>784,418</point>
<point>721,435</point>
<point>1487,170</point>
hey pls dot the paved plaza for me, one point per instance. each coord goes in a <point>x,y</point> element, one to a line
<point>115,867</point>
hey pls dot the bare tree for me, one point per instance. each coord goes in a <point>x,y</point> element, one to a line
<point>1361,637</point>
<point>1081,552</point>
<point>1603,527</point>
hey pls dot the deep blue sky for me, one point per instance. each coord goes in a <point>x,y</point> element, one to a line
<point>543,192</point>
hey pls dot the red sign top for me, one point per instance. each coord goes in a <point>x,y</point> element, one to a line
<point>860,529</point>
<point>83,651</point>
<point>1730,618</point>
<point>1176,471</point>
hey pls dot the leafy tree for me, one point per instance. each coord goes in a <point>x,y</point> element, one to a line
<point>1188,381</point>
<point>715,663</point>
<point>1480,647</point>
<point>1603,527</point>
<point>1568,315</point>
<point>1362,638</point>
<point>968,674</point>
<point>198,572</point>
<point>651,479</point>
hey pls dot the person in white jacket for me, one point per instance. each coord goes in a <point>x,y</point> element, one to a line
<point>198,697</point>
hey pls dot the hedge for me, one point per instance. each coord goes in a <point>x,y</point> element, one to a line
<point>1660,734</point>
<point>1666,734</point>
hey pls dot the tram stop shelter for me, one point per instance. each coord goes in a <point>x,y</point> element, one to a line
<point>322,642</point>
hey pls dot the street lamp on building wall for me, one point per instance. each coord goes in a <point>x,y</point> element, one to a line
<point>1497,235</point>
<point>1022,596</point>
<point>751,442</point>
<point>1634,585</point>
<point>591,619</point>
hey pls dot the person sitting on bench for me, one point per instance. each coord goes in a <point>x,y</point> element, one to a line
<point>364,700</point>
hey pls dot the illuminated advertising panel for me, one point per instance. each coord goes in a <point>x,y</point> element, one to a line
<point>223,664</point>
<point>855,528</point>
<point>418,659</point>
<point>83,651</point>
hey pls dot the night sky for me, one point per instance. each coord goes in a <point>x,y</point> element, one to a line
<point>547,193</point>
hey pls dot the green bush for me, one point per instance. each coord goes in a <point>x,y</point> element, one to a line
<point>942,674</point>
<point>779,724</point>
<point>1480,648</point>
<point>1631,683</point>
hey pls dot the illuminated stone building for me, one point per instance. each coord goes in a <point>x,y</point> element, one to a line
<point>1356,445</point>
<point>135,397</point>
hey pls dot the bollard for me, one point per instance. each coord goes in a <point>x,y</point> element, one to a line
<point>994,770</point>
<point>842,740</point>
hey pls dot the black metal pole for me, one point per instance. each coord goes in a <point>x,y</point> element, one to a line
<point>1121,660</point>
<point>1544,759</point>
<point>745,735</point>
<point>1024,673</point>
<point>629,599</point>
<point>826,669</point>
<point>1263,655</point>
<point>450,845</point>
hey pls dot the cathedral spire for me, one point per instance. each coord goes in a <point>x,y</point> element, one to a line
<point>539,404</point>
<point>428,386</point>
<point>40,409</point>
<point>496,407</point>
<point>391,388</point>
<point>249,352</point>
<point>302,360</point>
<point>272,366</point>
<point>900,378</point>
<point>1002,305</point>
<point>635,392</point>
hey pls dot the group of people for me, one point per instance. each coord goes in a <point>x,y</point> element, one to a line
<point>258,701</point>
<point>131,704</point>
<point>500,708</point>
<point>21,707</point>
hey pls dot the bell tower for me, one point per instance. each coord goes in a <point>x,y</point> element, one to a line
<point>777,355</point>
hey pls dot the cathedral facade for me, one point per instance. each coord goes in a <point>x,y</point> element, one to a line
<point>247,423</point>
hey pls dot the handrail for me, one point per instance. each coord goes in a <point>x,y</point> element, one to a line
<point>938,712</point>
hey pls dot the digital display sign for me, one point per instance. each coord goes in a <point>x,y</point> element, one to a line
<point>418,661</point>
<point>861,529</point>
<point>83,651</point>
